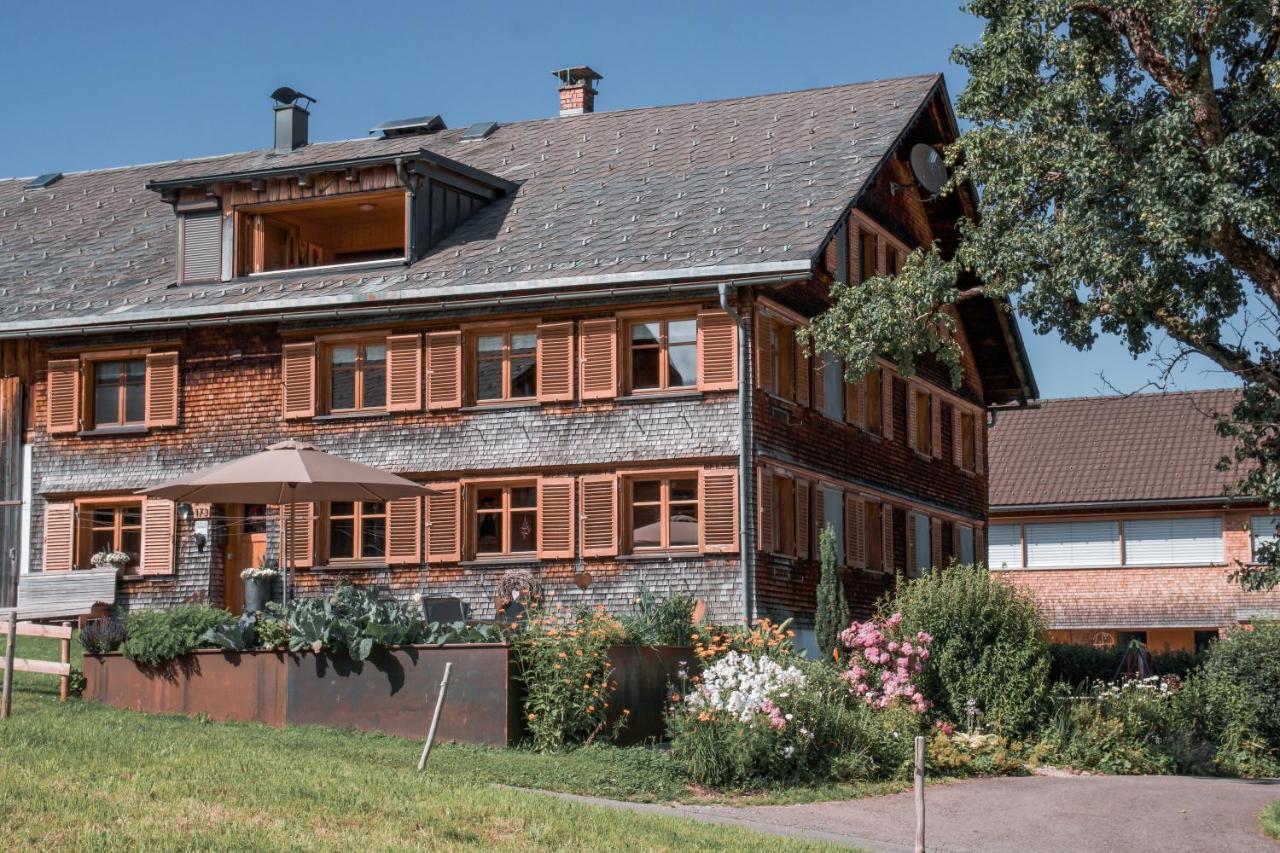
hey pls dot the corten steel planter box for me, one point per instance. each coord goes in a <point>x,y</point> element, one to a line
<point>642,675</point>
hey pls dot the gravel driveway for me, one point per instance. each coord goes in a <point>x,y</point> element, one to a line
<point>1034,813</point>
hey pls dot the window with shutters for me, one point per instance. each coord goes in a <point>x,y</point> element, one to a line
<point>662,512</point>
<point>967,438</point>
<point>356,531</point>
<point>350,229</point>
<point>781,366</point>
<point>875,407</point>
<point>867,250</point>
<point>111,527</point>
<point>504,366</point>
<point>504,519</point>
<point>783,511</point>
<point>113,391</point>
<point>117,393</point>
<point>1004,546</point>
<point>354,377</point>
<point>1173,541</point>
<point>662,354</point>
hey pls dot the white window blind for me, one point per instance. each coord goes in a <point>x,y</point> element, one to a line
<point>1068,544</point>
<point>833,517</point>
<point>1004,546</point>
<point>832,387</point>
<point>923,542</point>
<point>966,543</point>
<point>1173,541</point>
<point>1262,529</point>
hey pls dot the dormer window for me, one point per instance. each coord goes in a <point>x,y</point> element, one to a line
<point>352,229</point>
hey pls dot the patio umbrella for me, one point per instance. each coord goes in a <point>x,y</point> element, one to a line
<point>283,474</point>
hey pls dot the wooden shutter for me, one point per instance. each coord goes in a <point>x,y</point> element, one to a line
<point>598,358</point>
<point>888,560</point>
<point>404,373</point>
<point>910,521</point>
<point>298,377</point>
<point>555,362</point>
<point>819,518</point>
<point>957,437</point>
<point>162,390</point>
<point>599,515</point>
<point>935,424</point>
<point>935,542</point>
<point>300,533</point>
<point>913,420</point>
<point>979,544</point>
<point>444,523</point>
<point>855,519</point>
<point>63,408</point>
<point>59,537</point>
<point>764,353</point>
<point>404,532</point>
<point>764,501</point>
<point>855,403</point>
<point>979,442</point>
<point>800,362</point>
<point>201,243</point>
<point>886,402</point>
<point>718,501</point>
<point>800,493</point>
<point>159,534</point>
<point>556,517</point>
<point>444,370</point>
<point>717,351</point>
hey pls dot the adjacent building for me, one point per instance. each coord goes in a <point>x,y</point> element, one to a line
<point>1113,513</point>
<point>579,332</point>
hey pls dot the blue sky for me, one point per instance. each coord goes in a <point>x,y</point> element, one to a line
<point>138,81</point>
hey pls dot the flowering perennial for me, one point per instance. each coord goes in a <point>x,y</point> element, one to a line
<point>884,661</point>
<point>743,686</point>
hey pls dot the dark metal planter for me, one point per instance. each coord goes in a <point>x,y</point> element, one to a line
<point>257,592</point>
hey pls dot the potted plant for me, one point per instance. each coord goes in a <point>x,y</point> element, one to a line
<point>257,584</point>
<point>117,560</point>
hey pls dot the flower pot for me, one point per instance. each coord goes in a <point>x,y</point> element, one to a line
<point>257,592</point>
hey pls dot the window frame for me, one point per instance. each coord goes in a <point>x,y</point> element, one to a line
<point>969,443</point>
<point>473,359</point>
<point>663,347</point>
<point>782,495</point>
<point>358,518</point>
<point>1274,521</point>
<point>1121,544</point>
<point>325,370</point>
<point>504,512</point>
<point>665,479</point>
<point>84,529</point>
<point>122,393</point>
<point>874,531</point>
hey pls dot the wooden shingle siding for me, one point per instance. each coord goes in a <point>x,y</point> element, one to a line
<point>298,379</point>
<point>555,362</point>
<point>444,370</point>
<point>444,523</point>
<point>404,531</point>
<point>717,351</point>
<point>162,389</point>
<point>159,534</point>
<point>59,536</point>
<point>556,517</point>
<point>598,356</point>
<point>718,498</point>
<point>599,515</point>
<point>404,373</point>
<point>63,395</point>
<point>201,246</point>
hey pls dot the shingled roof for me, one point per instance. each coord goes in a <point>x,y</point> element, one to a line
<point>734,187</point>
<point>1088,450</point>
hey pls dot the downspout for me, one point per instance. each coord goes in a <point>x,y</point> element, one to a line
<point>411,249</point>
<point>746,529</point>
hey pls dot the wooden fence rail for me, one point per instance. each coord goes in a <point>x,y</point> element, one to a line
<point>60,668</point>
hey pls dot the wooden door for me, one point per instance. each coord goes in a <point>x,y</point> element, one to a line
<point>246,546</point>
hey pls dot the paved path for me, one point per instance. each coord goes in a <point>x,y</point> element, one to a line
<point>1170,814</point>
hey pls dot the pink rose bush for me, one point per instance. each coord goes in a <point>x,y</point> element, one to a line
<point>884,661</point>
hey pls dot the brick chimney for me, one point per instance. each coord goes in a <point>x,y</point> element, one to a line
<point>577,96</point>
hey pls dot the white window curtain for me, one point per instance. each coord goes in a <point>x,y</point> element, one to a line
<point>833,517</point>
<point>966,543</point>
<point>832,387</point>
<point>1173,541</point>
<point>924,559</point>
<point>1262,529</point>
<point>1004,546</point>
<point>1073,544</point>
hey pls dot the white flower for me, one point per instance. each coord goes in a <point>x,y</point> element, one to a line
<point>740,684</point>
<point>417,598</point>
<point>788,750</point>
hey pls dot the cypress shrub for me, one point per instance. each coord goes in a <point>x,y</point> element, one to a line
<point>832,615</point>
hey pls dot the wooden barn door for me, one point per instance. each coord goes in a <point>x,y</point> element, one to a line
<point>10,488</point>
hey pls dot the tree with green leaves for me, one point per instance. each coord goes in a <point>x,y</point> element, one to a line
<point>832,614</point>
<point>1127,153</point>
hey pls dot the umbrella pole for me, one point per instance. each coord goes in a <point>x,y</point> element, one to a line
<point>290,522</point>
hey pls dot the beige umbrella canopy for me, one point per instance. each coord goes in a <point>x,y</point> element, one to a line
<point>284,473</point>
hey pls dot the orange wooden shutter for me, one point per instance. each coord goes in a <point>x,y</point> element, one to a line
<point>957,438</point>
<point>717,351</point>
<point>404,532</point>
<point>298,377</point>
<point>764,501</point>
<point>59,537</point>
<point>556,517</point>
<point>855,535</point>
<point>301,533</point>
<point>404,373</point>
<point>63,408</point>
<point>718,500</point>
<point>555,362</point>
<point>764,353</point>
<point>599,515</point>
<point>162,389</point>
<point>886,403</point>
<point>935,424</point>
<point>886,538</point>
<point>800,361</point>
<point>444,370</point>
<point>913,420</point>
<point>855,403</point>
<point>159,533</point>
<point>910,567</point>
<point>980,544</point>
<point>979,443</point>
<point>444,523</point>
<point>800,493</point>
<point>598,357</point>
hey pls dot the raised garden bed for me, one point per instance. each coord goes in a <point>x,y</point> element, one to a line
<point>392,692</point>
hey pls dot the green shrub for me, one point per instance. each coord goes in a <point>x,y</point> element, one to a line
<point>564,669</point>
<point>988,646</point>
<point>1236,690</point>
<point>76,683</point>
<point>832,614</point>
<point>668,622</point>
<point>155,637</point>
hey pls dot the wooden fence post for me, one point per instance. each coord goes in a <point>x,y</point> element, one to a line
<point>435,718</point>
<point>919,779</point>
<point>11,634</point>
<point>65,686</point>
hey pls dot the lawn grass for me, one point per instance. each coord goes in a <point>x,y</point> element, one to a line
<point>82,775</point>
<point>1269,820</point>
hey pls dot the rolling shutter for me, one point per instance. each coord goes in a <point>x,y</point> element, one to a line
<point>764,500</point>
<point>598,358</point>
<point>404,373</point>
<point>1006,547</point>
<point>555,517</point>
<point>300,534</point>
<point>1062,544</point>
<point>444,370</point>
<point>59,537</point>
<point>804,525</point>
<point>444,523</point>
<point>202,246</point>
<point>63,408</point>
<point>298,378</point>
<point>1173,541</point>
<point>717,351</point>
<point>162,390</point>
<point>886,402</point>
<point>555,362</point>
<point>159,533</point>
<point>855,516</point>
<point>718,499</point>
<point>404,531</point>
<point>599,515</point>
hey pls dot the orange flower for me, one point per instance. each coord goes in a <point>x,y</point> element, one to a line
<point>533,716</point>
<point>675,697</point>
<point>591,709</point>
<point>626,712</point>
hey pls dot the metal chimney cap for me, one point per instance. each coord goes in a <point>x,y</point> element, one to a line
<point>288,96</point>
<point>577,74</point>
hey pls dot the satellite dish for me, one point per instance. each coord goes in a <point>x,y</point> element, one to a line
<point>930,171</point>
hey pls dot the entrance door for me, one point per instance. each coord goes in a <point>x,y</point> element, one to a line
<point>246,546</point>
